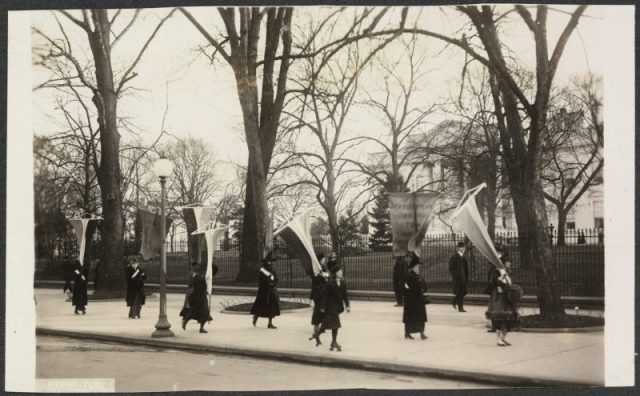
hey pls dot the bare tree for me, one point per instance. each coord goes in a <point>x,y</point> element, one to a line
<point>194,170</point>
<point>326,95</point>
<point>572,161</point>
<point>105,86</point>
<point>403,117</point>
<point>522,123</point>
<point>262,111</point>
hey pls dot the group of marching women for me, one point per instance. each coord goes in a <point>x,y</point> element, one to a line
<point>410,289</point>
<point>329,294</point>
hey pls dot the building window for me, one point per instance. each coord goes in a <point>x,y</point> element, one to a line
<point>571,220</point>
<point>598,214</point>
<point>598,222</point>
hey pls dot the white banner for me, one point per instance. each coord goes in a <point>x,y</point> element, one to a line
<point>469,220</point>
<point>297,234</point>
<point>410,215</point>
<point>80,227</point>
<point>212,238</point>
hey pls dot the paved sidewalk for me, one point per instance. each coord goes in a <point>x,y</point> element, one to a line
<point>372,338</point>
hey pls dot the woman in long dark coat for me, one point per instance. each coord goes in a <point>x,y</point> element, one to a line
<point>334,299</point>
<point>317,285</point>
<point>79,299</point>
<point>502,309</point>
<point>267,302</point>
<point>197,301</point>
<point>414,315</point>
<point>135,288</point>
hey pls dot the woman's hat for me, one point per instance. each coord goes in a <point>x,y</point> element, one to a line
<point>413,260</point>
<point>460,244</point>
<point>333,265</point>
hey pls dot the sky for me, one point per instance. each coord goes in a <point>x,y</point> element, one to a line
<point>202,100</point>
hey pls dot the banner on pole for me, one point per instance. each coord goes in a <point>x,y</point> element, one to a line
<point>195,218</point>
<point>410,215</point>
<point>152,238</point>
<point>212,239</point>
<point>297,234</point>
<point>469,220</point>
<point>83,229</point>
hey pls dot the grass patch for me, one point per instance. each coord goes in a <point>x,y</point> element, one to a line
<point>284,306</point>
<point>570,322</point>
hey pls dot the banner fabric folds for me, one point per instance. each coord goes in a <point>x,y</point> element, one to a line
<point>195,218</point>
<point>84,229</point>
<point>211,238</point>
<point>152,238</point>
<point>410,215</point>
<point>469,220</point>
<point>297,235</point>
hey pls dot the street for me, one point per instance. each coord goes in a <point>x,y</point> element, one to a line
<point>138,369</point>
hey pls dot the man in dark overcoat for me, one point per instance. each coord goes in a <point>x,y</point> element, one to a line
<point>459,270</point>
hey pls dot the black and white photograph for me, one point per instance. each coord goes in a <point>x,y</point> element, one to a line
<point>316,197</point>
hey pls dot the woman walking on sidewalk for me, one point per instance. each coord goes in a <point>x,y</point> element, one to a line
<point>135,288</point>
<point>414,315</point>
<point>197,302</point>
<point>318,282</point>
<point>333,302</point>
<point>79,299</point>
<point>267,302</point>
<point>503,310</point>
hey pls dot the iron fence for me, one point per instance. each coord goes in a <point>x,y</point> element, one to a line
<point>579,264</point>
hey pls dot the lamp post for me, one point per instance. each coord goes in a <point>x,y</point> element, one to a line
<point>163,169</point>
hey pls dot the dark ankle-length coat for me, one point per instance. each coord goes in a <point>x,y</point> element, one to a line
<point>267,302</point>
<point>196,305</point>
<point>135,285</point>
<point>414,314</point>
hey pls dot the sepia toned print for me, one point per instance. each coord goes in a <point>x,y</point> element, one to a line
<point>340,197</point>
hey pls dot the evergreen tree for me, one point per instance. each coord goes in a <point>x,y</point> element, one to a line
<point>380,239</point>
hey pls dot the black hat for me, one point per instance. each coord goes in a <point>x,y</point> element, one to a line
<point>460,244</point>
<point>333,265</point>
<point>413,260</point>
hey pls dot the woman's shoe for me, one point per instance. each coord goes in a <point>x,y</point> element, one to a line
<point>202,330</point>
<point>501,344</point>
<point>84,312</point>
<point>506,342</point>
<point>408,336</point>
<point>76,312</point>
<point>271,326</point>
<point>336,346</point>
<point>423,337</point>
<point>255,320</point>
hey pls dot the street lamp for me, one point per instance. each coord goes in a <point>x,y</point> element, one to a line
<point>163,169</point>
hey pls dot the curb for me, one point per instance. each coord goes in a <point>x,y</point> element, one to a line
<point>386,367</point>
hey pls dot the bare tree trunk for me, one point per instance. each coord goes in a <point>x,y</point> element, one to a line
<point>562,225</point>
<point>111,274</point>
<point>535,249</point>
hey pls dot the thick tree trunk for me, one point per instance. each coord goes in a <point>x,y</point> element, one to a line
<point>535,249</point>
<point>111,274</point>
<point>562,225</point>
<point>249,254</point>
